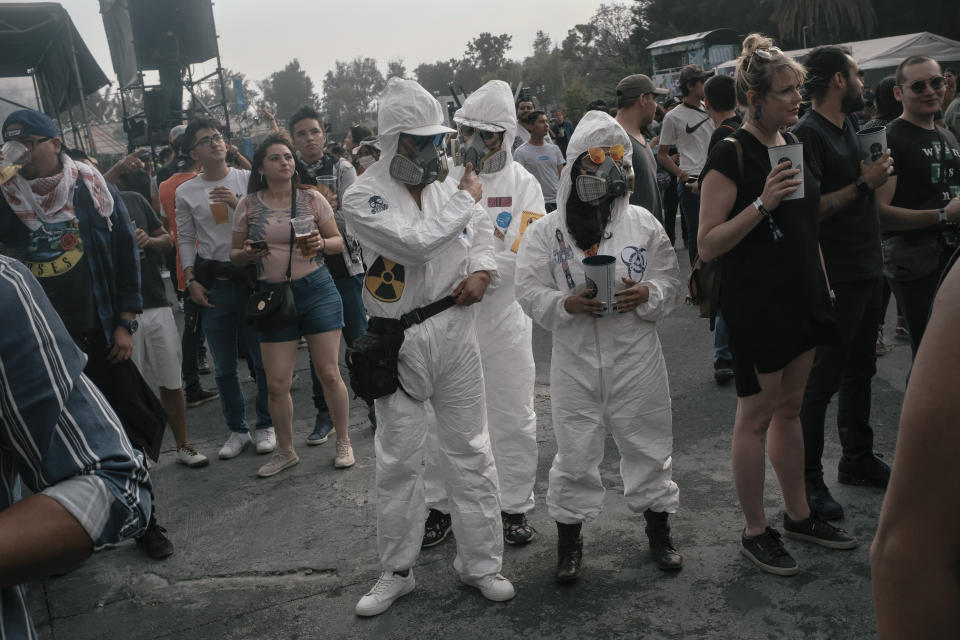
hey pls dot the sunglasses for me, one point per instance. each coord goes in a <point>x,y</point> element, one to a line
<point>597,154</point>
<point>919,86</point>
<point>484,135</point>
<point>421,142</point>
<point>214,139</point>
<point>764,54</point>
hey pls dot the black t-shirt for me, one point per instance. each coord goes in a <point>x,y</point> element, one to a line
<point>726,127</point>
<point>850,238</point>
<point>927,165</point>
<point>324,167</point>
<point>646,193</point>
<point>151,262</point>
<point>56,255</point>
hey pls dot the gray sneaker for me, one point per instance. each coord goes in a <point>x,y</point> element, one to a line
<point>321,429</point>
<point>818,531</point>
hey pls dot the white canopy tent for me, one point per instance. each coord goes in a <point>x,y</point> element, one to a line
<point>884,53</point>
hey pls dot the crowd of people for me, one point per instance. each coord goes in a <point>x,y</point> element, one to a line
<point>449,254</point>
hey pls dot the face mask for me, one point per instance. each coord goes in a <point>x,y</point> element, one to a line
<point>475,151</point>
<point>608,181</point>
<point>366,161</point>
<point>428,165</point>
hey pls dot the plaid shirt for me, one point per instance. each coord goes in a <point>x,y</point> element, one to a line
<point>112,255</point>
<point>58,435</point>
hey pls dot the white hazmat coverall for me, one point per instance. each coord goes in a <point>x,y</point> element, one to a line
<point>416,256</point>
<point>512,199</point>
<point>606,372</point>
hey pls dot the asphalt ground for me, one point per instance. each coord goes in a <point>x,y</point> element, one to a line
<point>289,556</point>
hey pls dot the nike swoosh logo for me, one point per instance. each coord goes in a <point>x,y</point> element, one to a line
<point>696,126</point>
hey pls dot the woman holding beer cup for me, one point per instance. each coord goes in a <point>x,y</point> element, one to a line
<point>774,297</point>
<point>262,233</point>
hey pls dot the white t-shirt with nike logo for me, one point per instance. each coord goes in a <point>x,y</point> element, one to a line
<point>690,130</point>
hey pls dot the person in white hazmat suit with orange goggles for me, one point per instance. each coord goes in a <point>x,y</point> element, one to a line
<point>424,238</point>
<point>607,369</point>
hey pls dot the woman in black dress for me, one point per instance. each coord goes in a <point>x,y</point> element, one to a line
<point>774,298</point>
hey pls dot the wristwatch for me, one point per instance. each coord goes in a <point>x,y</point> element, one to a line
<point>862,186</point>
<point>129,325</point>
<point>943,215</point>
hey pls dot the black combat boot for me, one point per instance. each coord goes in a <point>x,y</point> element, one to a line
<point>569,551</point>
<point>661,546</point>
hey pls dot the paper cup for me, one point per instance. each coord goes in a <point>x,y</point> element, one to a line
<point>792,153</point>
<point>600,274</point>
<point>872,143</point>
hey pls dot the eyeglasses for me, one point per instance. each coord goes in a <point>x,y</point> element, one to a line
<point>597,154</point>
<point>919,86</point>
<point>208,140</point>
<point>30,143</point>
<point>420,142</point>
<point>484,135</point>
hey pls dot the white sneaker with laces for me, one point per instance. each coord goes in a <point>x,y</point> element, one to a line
<point>234,445</point>
<point>390,586</point>
<point>266,440</point>
<point>344,457</point>
<point>191,457</point>
<point>493,587</point>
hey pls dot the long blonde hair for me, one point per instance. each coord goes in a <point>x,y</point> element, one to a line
<point>755,70</point>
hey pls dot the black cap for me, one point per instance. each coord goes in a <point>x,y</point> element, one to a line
<point>692,73</point>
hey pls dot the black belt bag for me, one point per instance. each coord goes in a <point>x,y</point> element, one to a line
<point>373,358</point>
<point>274,308</point>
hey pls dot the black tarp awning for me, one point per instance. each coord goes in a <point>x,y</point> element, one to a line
<point>39,38</point>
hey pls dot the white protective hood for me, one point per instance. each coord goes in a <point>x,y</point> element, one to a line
<point>491,104</point>
<point>412,108</point>
<point>595,129</point>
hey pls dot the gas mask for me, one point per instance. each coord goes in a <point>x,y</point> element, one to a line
<point>366,161</point>
<point>429,164</point>
<point>472,148</point>
<point>608,181</point>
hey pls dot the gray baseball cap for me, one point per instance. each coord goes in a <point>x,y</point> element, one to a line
<point>638,85</point>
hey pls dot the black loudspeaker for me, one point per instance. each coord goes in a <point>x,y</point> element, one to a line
<point>172,33</point>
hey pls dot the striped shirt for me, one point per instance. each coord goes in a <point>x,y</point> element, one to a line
<point>58,435</point>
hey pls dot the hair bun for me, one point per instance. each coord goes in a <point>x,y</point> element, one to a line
<point>754,42</point>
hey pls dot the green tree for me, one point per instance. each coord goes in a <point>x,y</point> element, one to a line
<point>487,52</point>
<point>396,69</point>
<point>349,92</point>
<point>436,76</point>
<point>287,90</point>
<point>829,20</point>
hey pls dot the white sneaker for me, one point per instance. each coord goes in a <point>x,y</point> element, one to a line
<point>234,445</point>
<point>344,457</point>
<point>389,587</point>
<point>266,440</point>
<point>493,587</point>
<point>191,457</point>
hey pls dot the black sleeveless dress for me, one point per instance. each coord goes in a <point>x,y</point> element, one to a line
<point>774,298</point>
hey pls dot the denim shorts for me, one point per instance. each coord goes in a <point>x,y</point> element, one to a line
<point>319,308</point>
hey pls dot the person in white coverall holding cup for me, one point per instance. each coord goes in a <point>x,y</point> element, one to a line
<point>607,369</point>
<point>425,238</point>
<point>513,200</point>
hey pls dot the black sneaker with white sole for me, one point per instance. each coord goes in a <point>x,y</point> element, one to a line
<point>818,531</point>
<point>201,396</point>
<point>767,552</point>
<point>436,529</point>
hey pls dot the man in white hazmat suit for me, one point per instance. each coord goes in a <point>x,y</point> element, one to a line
<point>607,371</point>
<point>424,238</point>
<point>512,199</point>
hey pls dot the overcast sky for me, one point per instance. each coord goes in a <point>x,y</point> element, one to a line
<point>259,37</point>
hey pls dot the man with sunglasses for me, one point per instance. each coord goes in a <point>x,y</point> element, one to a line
<point>512,200</point>
<point>220,290</point>
<point>850,241</point>
<point>425,240</point>
<point>920,203</point>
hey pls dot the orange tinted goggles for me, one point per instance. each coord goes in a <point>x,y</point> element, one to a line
<point>598,155</point>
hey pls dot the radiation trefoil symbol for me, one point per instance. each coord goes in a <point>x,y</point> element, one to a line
<point>385,279</point>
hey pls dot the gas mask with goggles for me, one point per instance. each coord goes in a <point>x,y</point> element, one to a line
<point>427,165</point>
<point>608,181</point>
<point>471,146</point>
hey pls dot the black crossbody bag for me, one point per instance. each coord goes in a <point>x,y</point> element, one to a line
<point>275,308</point>
<point>373,358</point>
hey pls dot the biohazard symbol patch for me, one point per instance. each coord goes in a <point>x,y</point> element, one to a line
<point>385,279</point>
